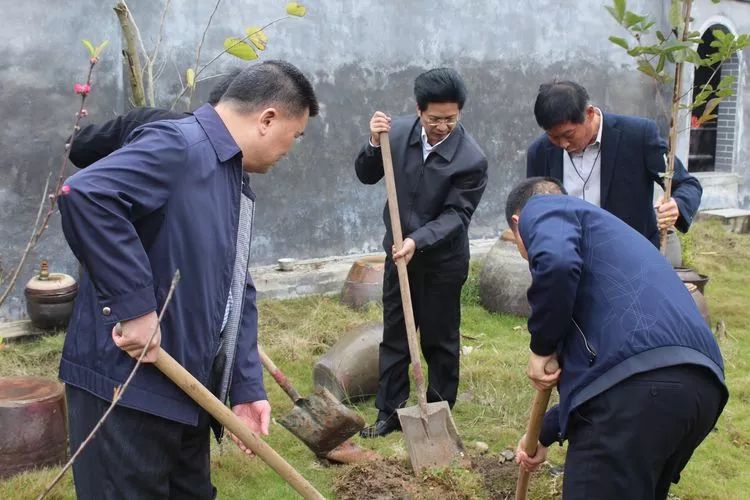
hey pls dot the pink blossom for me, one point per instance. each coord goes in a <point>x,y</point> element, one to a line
<point>84,113</point>
<point>82,88</point>
<point>65,189</point>
<point>94,60</point>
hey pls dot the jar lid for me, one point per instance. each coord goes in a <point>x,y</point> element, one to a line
<point>57,282</point>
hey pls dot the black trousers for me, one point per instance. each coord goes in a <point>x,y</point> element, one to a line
<point>136,454</point>
<point>436,300</point>
<point>633,440</point>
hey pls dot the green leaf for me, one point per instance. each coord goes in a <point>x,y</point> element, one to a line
<point>89,46</point>
<point>726,82</point>
<point>619,8</point>
<point>660,36</point>
<point>631,19</point>
<point>613,13</point>
<point>711,106</point>
<point>675,14</point>
<point>647,26</point>
<point>238,48</point>
<point>660,64</point>
<point>190,77</point>
<point>295,9</point>
<point>706,118</point>
<point>257,37</point>
<point>100,48</point>
<point>715,1</point>
<point>648,69</point>
<point>619,41</point>
<point>676,46</point>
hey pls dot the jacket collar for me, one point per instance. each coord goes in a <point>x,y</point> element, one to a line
<point>447,148</point>
<point>217,133</point>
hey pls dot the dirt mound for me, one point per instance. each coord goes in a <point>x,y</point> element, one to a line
<point>390,478</point>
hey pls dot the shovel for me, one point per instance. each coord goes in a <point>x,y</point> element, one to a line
<point>182,378</point>
<point>320,421</point>
<point>429,431</point>
<point>538,409</point>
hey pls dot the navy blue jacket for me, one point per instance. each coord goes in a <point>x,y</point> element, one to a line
<point>606,301</point>
<point>436,197</point>
<point>632,157</point>
<point>168,200</point>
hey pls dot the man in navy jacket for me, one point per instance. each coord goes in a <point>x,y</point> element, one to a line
<point>642,379</point>
<point>609,160</point>
<point>176,196</point>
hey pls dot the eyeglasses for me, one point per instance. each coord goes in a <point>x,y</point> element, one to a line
<point>434,122</point>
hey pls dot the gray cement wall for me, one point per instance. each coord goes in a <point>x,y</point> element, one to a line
<point>361,56</point>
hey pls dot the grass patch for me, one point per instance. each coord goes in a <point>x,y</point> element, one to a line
<point>494,395</point>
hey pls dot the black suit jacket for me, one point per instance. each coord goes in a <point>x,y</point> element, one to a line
<point>94,142</point>
<point>437,196</point>
<point>632,159</point>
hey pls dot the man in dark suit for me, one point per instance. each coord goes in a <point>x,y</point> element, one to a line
<point>641,377</point>
<point>441,173</point>
<point>609,160</point>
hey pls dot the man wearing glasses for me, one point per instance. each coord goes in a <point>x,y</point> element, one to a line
<point>441,173</point>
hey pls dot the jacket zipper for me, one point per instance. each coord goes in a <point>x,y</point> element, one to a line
<point>589,349</point>
<point>244,289</point>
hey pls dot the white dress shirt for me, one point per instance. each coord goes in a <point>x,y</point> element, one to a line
<point>582,172</point>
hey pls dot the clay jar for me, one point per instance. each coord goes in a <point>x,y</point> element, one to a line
<point>32,419</point>
<point>688,275</point>
<point>49,298</point>
<point>350,367</point>
<point>364,283</point>
<point>700,301</point>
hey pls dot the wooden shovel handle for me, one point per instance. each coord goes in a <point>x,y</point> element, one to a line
<point>538,409</point>
<point>403,275</point>
<point>278,376</point>
<point>193,388</point>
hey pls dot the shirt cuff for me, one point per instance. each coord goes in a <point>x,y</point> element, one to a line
<point>550,427</point>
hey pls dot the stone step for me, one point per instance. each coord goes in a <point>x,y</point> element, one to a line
<point>322,276</point>
<point>735,220</point>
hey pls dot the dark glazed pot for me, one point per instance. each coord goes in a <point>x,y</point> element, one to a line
<point>688,275</point>
<point>49,298</point>
<point>700,301</point>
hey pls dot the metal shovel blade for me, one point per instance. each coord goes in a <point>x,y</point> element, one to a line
<point>322,422</point>
<point>436,446</point>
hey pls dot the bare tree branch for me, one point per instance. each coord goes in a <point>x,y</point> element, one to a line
<point>200,46</point>
<point>117,394</point>
<point>198,72</point>
<point>29,245</point>
<point>131,53</point>
<point>41,226</point>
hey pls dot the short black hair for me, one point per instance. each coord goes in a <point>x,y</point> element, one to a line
<point>527,188</point>
<point>218,90</point>
<point>439,85</point>
<point>271,83</point>
<point>560,102</point>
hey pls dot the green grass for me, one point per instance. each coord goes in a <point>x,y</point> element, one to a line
<point>494,395</point>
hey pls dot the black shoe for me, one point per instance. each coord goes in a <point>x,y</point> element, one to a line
<point>381,428</point>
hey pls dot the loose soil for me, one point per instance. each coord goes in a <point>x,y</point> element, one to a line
<point>390,478</point>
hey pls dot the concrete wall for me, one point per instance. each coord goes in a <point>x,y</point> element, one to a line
<point>361,56</point>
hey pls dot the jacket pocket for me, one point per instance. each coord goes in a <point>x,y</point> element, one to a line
<point>589,351</point>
